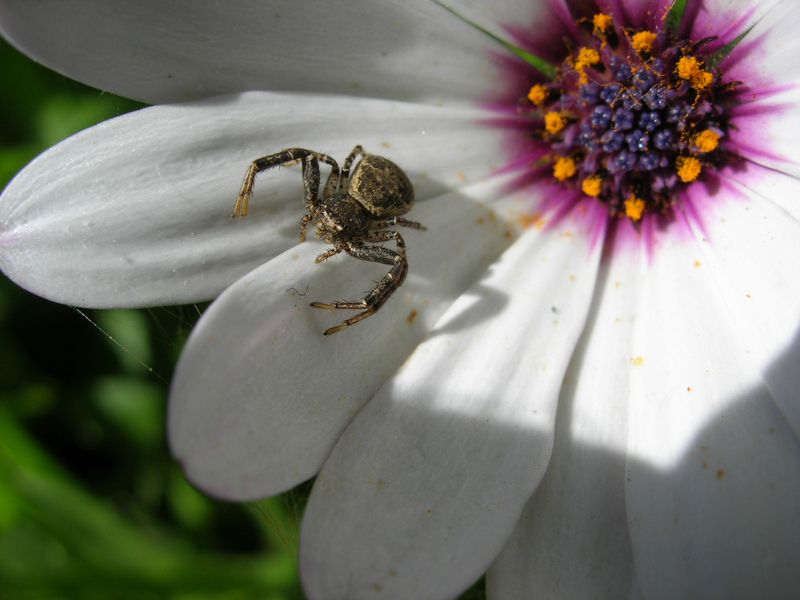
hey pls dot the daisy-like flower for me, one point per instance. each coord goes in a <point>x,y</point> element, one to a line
<point>587,386</point>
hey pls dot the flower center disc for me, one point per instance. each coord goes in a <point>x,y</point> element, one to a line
<point>633,117</point>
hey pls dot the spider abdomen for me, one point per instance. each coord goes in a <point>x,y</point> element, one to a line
<point>381,187</point>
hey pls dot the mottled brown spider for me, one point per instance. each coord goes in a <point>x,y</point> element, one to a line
<point>352,216</point>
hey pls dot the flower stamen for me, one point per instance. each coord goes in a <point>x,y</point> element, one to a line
<point>592,186</point>
<point>706,141</point>
<point>554,122</point>
<point>642,41</point>
<point>601,22</point>
<point>633,137</point>
<point>538,94</point>
<point>564,168</point>
<point>687,67</point>
<point>634,208</point>
<point>689,168</point>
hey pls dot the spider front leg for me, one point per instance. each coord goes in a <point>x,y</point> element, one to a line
<point>280,158</point>
<point>384,288</point>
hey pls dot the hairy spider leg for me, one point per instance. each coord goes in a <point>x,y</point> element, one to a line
<point>310,193</point>
<point>392,221</point>
<point>279,158</point>
<point>348,162</point>
<point>383,288</point>
<point>328,253</point>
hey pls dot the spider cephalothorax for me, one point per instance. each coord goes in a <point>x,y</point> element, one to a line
<point>353,215</point>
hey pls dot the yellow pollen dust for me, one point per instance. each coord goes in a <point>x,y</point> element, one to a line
<point>634,208</point>
<point>602,22</point>
<point>706,141</point>
<point>537,94</point>
<point>564,168</point>
<point>689,168</point>
<point>689,68</point>
<point>586,58</point>
<point>643,41</point>
<point>554,122</point>
<point>702,79</point>
<point>592,186</point>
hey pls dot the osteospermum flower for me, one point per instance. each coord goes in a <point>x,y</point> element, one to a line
<point>588,383</point>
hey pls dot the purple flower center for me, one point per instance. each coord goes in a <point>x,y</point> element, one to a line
<point>633,117</point>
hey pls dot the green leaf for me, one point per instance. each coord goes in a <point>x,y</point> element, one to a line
<point>545,67</point>
<point>675,16</point>
<point>717,57</point>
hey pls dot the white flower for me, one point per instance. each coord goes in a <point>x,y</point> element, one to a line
<point>580,413</point>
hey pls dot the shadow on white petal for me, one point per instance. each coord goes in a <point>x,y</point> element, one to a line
<point>724,521</point>
<point>721,523</point>
<point>427,528</point>
<point>783,380</point>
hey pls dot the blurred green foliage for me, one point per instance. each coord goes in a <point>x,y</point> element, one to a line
<point>91,504</point>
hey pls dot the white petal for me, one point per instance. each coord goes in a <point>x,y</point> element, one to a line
<point>168,52</point>
<point>749,251</point>
<point>494,15</point>
<point>259,395</point>
<point>767,122</point>
<point>136,211</point>
<point>713,489</point>
<point>426,484</point>
<point>572,539</point>
<point>728,18</point>
<point>782,190</point>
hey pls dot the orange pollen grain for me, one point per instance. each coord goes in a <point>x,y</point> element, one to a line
<point>687,67</point>
<point>689,168</point>
<point>634,208</point>
<point>702,79</point>
<point>586,58</point>
<point>592,186</point>
<point>602,22</point>
<point>564,168</point>
<point>554,122</point>
<point>706,141</point>
<point>537,94</point>
<point>643,41</point>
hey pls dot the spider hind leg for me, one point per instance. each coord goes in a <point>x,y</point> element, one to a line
<point>383,289</point>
